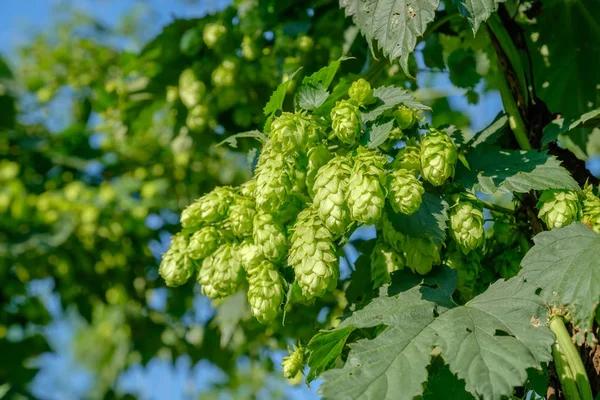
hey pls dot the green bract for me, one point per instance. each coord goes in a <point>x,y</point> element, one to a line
<point>466,225</point>
<point>346,122</point>
<point>176,267</point>
<point>317,157</point>
<point>221,272</point>
<point>384,261</point>
<point>269,237</point>
<point>558,208</point>
<point>203,242</point>
<point>209,208</point>
<point>275,178</point>
<point>366,197</point>
<point>265,293</point>
<point>405,191</point>
<point>361,92</point>
<point>438,157</point>
<point>591,210</point>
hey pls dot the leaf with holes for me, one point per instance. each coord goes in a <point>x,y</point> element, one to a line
<point>388,97</point>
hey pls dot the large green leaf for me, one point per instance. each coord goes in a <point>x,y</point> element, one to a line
<point>490,342</point>
<point>565,263</point>
<point>477,11</point>
<point>562,125</point>
<point>394,24</point>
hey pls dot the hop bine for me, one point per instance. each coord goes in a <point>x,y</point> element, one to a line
<point>318,156</point>
<point>405,191</point>
<point>346,122</point>
<point>558,208</point>
<point>221,272</point>
<point>265,293</point>
<point>466,225</point>
<point>367,180</point>
<point>176,267</point>
<point>438,157</point>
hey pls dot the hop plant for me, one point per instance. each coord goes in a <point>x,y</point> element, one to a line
<point>213,33</point>
<point>330,190</point>
<point>421,254</point>
<point>405,117</point>
<point>241,216</point>
<point>209,208</point>
<point>361,92</point>
<point>384,261</point>
<point>221,272</point>
<point>409,158</point>
<point>312,255</point>
<point>293,363</point>
<point>318,156</point>
<point>367,180</point>
<point>438,157</point>
<point>269,236</point>
<point>591,209</point>
<point>274,179</point>
<point>203,242</point>
<point>405,191</point>
<point>265,293</point>
<point>176,267</point>
<point>346,122</point>
<point>466,225</point>
<point>558,208</point>
<point>292,132</point>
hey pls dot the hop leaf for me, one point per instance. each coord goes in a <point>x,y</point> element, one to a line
<point>209,208</point>
<point>213,33</point>
<point>317,157</point>
<point>330,194</point>
<point>558,208</point>
<point>274,179</point>
<point>203,242</point>
<point>269,237</point>
<point>384,261</point>
<point>438,157</point>
<point>241,216</point>
<point>421,254</point>
<point>406,117</point>
<point>366,197</point>
<point>292,132</point>
<point>409,158</point>
<point>176,267</point>
<point>221,272</point>
<point>294,363</point>
<point>265,293</point>
<point>361,92</point>
<point>466,225</point>
<point>312,255</point>
<point>390,235</point>
<point>346,122</point>
<point>405,191</point>
<point>591,210</point>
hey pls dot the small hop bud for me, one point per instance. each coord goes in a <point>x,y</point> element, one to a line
<point>466,225</point>
<point>405,191</point>
<point>384,261</point>
<point>317,157</point>
<point>176,267</point>
<point>438,157</point>
<point>361,92</point>
<point>191,90</point>
<point>406,117</point>
<point>291,132</point>
<point>294,363</point>
<point>409,158</point>
<point>265,292</point>
<point>241,216</point>
<point>346,122</point>
<point>421,254</point>
<point>558,208</point>
<point>330,190</point>
<point>591,210</point>
<point>367,181</point>
<point>221,272</point>
<point>247,188</point>
<point>269,236</point>
<point>209,208</point>
<point>213,33</point>
<point>312,255</point>
<point>203,242</point>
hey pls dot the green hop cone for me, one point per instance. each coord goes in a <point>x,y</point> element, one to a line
<point>211,207</point>
<point>346,122</point>
<point>591,209</point>
<point>558,208</point>
<point>250,50</point>
<point>405,117</point>
<point>330,190</point>
<point>224,74</point>
<point>176,267</point>
<point>248,188</point>
<point>197,118</point>
<point>384,261</point>
<point>361,92</point>
<point>265,292</point>
<point>312,255</point>
<point>366,198</point>
<point>291,132</point>
<point>241,216</point>
<point>191,89</point>
<point>317,157</point>
<point>294,363</point>
<point>467,269</point>
<point>390,235</point>
<point>405,191</point>
<point>275,178</point>
<point>466,225</point>
<point>421,254</point>
<point>203,242</point>
<point>250,256</point>
<point>221,272</point>
<point>438,157</point>
<point>409,158</point>
<point>213,33</point>
<point>269,236</point>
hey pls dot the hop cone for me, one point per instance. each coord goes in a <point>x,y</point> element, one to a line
<point>317,157</point>
<point>220,274</point>
<point>269,237</point>
<point>312,255</point>
<point>406,117</point>
<point>191,90</point>
<point>346,122</point>
<point>330,194</point>
<point>466,226</point>
<point>384,261</point>
<point>241,216</point>
<point>467,269</point>
<point>293,363</point>
<point>265,293</point>
<point>409,158</point>
<point>248,188</point>
<point>197,118</point>
<point>224,74</point>
<point>421,254</point>
<point>209,208</point>
<point>203,242</point>
<point>212,33</point>
<point>390,235</point>
<point>558,208</point>
<point>405,191</point>
<point>250,256</point>
<point>438,157</point>
<point>591,210</point>
<point>176,267</point>
<point>361,92</point>
<point>366,196</point>
<point>292,132</point>
<point>274,179</point>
